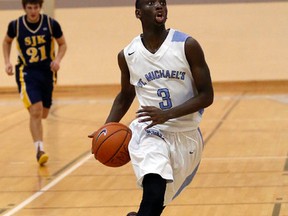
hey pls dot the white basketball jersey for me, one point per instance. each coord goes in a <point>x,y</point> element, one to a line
<point>163,79</point>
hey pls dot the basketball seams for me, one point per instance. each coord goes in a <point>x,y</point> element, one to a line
<point>101,143</point>
<point>120,147</point>
<point>124,127</point>
<point>111,147</point>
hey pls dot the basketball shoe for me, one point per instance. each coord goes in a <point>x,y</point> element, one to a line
<point>42,157</point>
<point>132,214</point>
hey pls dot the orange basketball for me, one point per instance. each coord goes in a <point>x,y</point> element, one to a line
<point>110,144</point>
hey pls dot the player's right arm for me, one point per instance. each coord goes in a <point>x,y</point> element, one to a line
<point>7,44</point>
<point>126,95</point>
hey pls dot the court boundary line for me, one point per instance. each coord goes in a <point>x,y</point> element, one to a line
<point>47,187</point>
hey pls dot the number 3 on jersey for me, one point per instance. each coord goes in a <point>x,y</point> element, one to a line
<point>166,100</point>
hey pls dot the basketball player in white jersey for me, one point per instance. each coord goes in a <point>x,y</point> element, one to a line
<point>167,72</point>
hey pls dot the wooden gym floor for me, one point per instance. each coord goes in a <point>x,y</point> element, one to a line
<point>244,170</point>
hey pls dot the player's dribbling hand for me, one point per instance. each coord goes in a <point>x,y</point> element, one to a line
<point>92,136</point>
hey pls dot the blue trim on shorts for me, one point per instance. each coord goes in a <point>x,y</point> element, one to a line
<point>187,181</point>
<point>201,111</point>
<point>201,136</point>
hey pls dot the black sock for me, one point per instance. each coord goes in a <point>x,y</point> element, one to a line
<point>154,187</point>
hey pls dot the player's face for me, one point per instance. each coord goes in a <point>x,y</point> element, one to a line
<point>153,10</point>
<point>33,12</point>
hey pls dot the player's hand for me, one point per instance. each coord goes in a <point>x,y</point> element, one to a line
<point>55,66</point>
<point>9,69</point>
<point>92,136</point>
<point>153,114</point>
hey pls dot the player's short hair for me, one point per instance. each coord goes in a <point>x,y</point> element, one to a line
<point>137,4</point>
<point>25,2</point>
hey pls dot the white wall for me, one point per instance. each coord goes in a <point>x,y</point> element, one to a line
<point>242,42</point>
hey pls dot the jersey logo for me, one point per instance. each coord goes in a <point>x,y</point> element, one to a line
<point>152,131</point>
<point>129,54</point>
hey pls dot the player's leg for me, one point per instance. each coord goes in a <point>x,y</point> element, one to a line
<point>45,92</point>
<point>45,112</point>
<point>30,92</point>
<point>154,187</point>
<point>35,112</point>
<point>36,129</point>
<point>149,153</point>
<point>185,155</point>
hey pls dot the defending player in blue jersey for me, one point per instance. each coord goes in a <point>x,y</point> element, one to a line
<point>37,65</point>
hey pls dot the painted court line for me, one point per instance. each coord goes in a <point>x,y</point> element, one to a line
<point>48,186</point>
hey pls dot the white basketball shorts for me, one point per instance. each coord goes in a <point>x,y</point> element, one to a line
<point>175,156</point>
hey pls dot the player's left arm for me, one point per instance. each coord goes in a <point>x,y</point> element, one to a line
<point>202,80</point>
<point>201,75</point>
<point>62,46</point>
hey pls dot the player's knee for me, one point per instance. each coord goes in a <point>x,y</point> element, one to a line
<point>36,111</point>
<point>45,113</point>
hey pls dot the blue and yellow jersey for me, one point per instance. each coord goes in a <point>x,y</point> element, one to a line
<point>35,47</point>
